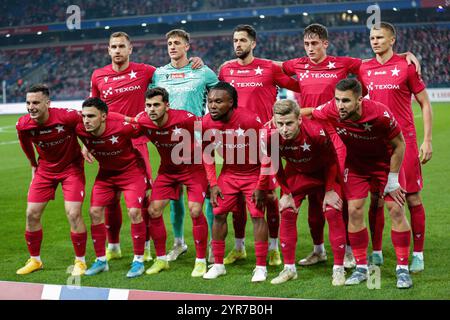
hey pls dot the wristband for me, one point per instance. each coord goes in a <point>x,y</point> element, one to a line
<point>392,183</point>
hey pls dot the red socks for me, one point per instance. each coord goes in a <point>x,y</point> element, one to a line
<point>273,217</point>
<point>288,235</point>
<point>98,233</point>
<point>200,232</point>
<point>376,223</point>
<point>316,218</point>
<point>159,235</point>
<point>146,217</point>
<point>34,240</point>
<point>337,234</point>
<point>138,231</point>
<point>113,221</point>
<point>418,226</point>
<point>261,248</point>
<point>401,242</point>
<point>218,247</point>
<point>359,242</point>
<point>79,243</point>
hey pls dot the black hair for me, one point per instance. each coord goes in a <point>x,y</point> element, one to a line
<point>97,103</point>
<point>225,86</point>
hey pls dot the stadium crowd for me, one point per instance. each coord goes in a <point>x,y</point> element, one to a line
<point>44,11</point>
<point>67,72</point>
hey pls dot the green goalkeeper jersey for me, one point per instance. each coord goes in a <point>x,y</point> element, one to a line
<point>187,87</point>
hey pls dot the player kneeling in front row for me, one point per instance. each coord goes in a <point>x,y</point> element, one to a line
<point>169,130</point>
<point>232,131</point>
<point>375,150</point>
<point>109,139</point>
<point>52,132</point>
<point>311,170</point>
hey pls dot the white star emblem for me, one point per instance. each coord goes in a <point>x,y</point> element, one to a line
<point>239,132</point>
<point>367,126</point>
<point>132,74</point>
<point>306,146</point>
<point>395,72</point>
<point>258,71</point>
<point>114,139</point>
<point>331,65</point>
<point>60,128</point>
<point>176,130</point>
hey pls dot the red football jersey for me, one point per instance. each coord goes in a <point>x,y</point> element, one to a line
<point>179,127</point>
<point>123,92</point>
<point>311,152</point>
<point>236,141</point>
<point>367,139</point>
<point>256,85</point>
<point>392,84</point>
<point>318,81</point>
<point>113,149</point>
<point>55,141</point>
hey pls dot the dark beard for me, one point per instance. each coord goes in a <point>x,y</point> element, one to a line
<point>243,55</point>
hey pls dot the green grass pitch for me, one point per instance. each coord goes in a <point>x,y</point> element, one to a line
<point>313,282</point>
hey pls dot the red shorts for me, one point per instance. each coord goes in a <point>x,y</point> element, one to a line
<point>302,185</point>
<point>411,171</point>
<point>167,185</point>
<point>44,184</point>
<point>357,184</point>
<point>133,184</point>
<point>142,147</point>
<point>233,187</point>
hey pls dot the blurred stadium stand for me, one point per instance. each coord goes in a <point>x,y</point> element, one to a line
<point>65,59</point>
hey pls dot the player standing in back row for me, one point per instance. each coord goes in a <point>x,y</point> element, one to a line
<point>256,82</point>
<point>187,89</point>
<point>391,81</point>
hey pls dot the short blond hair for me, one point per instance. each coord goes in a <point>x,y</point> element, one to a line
<point>286,106</point>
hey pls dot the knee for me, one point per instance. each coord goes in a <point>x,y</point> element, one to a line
<point>154,212</point>
<point>355,213</point>
<point>74,217</point>
<point>135,215</point>
<point>396,212</point>
<point>413,199</point>
<point>33,215</point>
<point>96,215</point>
<point>195,210</point>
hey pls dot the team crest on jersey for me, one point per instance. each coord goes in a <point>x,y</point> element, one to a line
<point>108,92</point>
<point>306,66</point>
<point>106,79</point>
<point>369,72</point>
<point>167,76</point>
<point>395,72</point>
<point>231,71</point>
<point>304,75</point>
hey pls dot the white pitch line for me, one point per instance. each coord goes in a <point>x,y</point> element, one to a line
<point>8,142</point>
